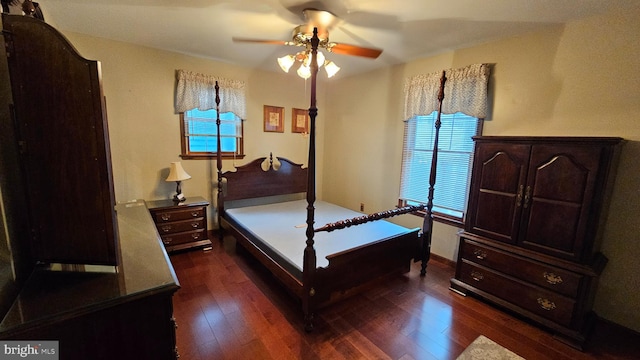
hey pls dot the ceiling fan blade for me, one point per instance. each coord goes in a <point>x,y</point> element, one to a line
<point>345,49</point>
<point>260,41</point>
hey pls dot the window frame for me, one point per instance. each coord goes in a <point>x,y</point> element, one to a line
<point>186,154</point>
<point>438,216</point>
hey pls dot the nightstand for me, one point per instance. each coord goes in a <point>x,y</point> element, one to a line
<point>181,225</point>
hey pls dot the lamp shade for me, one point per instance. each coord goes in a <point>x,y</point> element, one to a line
<point>331,68</point>
<point>304,71</point>
<point>286,62</point>
<point>177,173</point>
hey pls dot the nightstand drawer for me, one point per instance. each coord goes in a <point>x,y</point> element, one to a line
<point>177,215</point>
<point>180,226</point>
<point>553,278</point>
<point>183,237</point>
<point>544,303</point>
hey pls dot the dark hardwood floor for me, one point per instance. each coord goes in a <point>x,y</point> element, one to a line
<point>229,307</point>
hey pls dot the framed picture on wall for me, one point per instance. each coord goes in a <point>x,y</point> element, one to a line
<point>299,121</point>
<point>273,118</point>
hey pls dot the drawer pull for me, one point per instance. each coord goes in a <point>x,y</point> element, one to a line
<point>546,304</point>
<point>195,236</point>
<point>195,214</point>
<point>167,241</point>
<point>195,225</point>
<point>477,276</point>
<point>479,254</point>
<point>166,228</point>
<point>165,217</point>
<point>552,278</point>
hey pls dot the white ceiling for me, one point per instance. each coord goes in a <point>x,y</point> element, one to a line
<point>404,29</point>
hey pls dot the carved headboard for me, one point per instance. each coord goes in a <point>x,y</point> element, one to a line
<point>252,181</point>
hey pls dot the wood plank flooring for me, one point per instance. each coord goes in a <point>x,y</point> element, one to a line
<point>229,307</point>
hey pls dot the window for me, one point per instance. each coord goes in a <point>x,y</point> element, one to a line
<point>455,159</point>
<point>199,134</point>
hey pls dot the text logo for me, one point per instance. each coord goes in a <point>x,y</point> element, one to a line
<point>31,349</point>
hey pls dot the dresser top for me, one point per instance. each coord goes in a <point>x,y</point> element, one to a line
<point>171,204</point>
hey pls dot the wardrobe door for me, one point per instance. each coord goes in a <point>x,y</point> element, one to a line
<point>63,137</point>
<point>497,185</point>
<point>558,200</point>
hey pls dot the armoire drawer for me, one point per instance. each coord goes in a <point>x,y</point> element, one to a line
<point>551,277</point>
<point>183,237</point>
<point>542,302</point>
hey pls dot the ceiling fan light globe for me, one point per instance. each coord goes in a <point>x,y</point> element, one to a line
<point>304,72</point>
<point>320,58</point>
<point>286,62</point>
<point>331,68</point>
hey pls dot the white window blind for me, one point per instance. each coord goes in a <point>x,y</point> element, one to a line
<point>201,131</point>
<point>455,159</point>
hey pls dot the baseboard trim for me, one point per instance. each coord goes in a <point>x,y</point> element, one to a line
<point>443,260</point>
<point>618,327</point>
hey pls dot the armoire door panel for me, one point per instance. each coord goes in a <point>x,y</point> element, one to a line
<point>497,192</point>
<point>492,211</point>
<point>501,172</point>
<point>552,227</point>
<point>561,178</point>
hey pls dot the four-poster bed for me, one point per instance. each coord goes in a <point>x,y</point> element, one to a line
<point>328,266</point>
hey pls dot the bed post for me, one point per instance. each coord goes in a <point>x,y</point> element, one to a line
<point>309,262</point>
<point>428,219</point>
<point>219,164</point>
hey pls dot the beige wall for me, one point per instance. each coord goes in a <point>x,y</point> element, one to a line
<point>144,130</point>
<point>581,79</point>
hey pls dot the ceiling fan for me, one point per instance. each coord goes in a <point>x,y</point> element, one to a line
<point>323,21</point>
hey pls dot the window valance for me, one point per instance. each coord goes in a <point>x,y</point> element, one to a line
<point>197,91</point>
<point>465,91</point>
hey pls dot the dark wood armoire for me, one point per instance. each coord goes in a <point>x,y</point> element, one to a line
<point>533,228</point>
<point>63,141</point>
<point>60,146</point>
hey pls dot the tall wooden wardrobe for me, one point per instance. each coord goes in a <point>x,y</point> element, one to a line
<point>61,148</point>
<point>533,228</point>
<point>63,139</point>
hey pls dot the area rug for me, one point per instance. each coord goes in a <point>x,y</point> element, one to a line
<point>484,348</point>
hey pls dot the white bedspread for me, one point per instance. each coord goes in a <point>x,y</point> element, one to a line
<point>283,227</point>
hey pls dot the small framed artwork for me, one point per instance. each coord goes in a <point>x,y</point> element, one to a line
<point>299,121</point>
<point>273,118</point>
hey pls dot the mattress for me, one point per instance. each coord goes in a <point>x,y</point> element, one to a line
<point>281,229</point>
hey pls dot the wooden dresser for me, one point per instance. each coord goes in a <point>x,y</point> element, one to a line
<point>532,233</point>
<point>181,225</point>
<point>104,314</point>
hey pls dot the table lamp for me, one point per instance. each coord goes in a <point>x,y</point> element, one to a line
<point>177,174</point>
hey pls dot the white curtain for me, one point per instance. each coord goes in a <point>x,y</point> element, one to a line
<point>465,91</point>
<point>197,91</point>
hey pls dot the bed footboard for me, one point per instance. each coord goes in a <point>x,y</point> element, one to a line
<point>352,270</point>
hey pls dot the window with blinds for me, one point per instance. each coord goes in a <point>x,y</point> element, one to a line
<point>199,132</point>
<point>455,159</point>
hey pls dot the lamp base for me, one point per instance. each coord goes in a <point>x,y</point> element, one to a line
<point>178,197</point>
